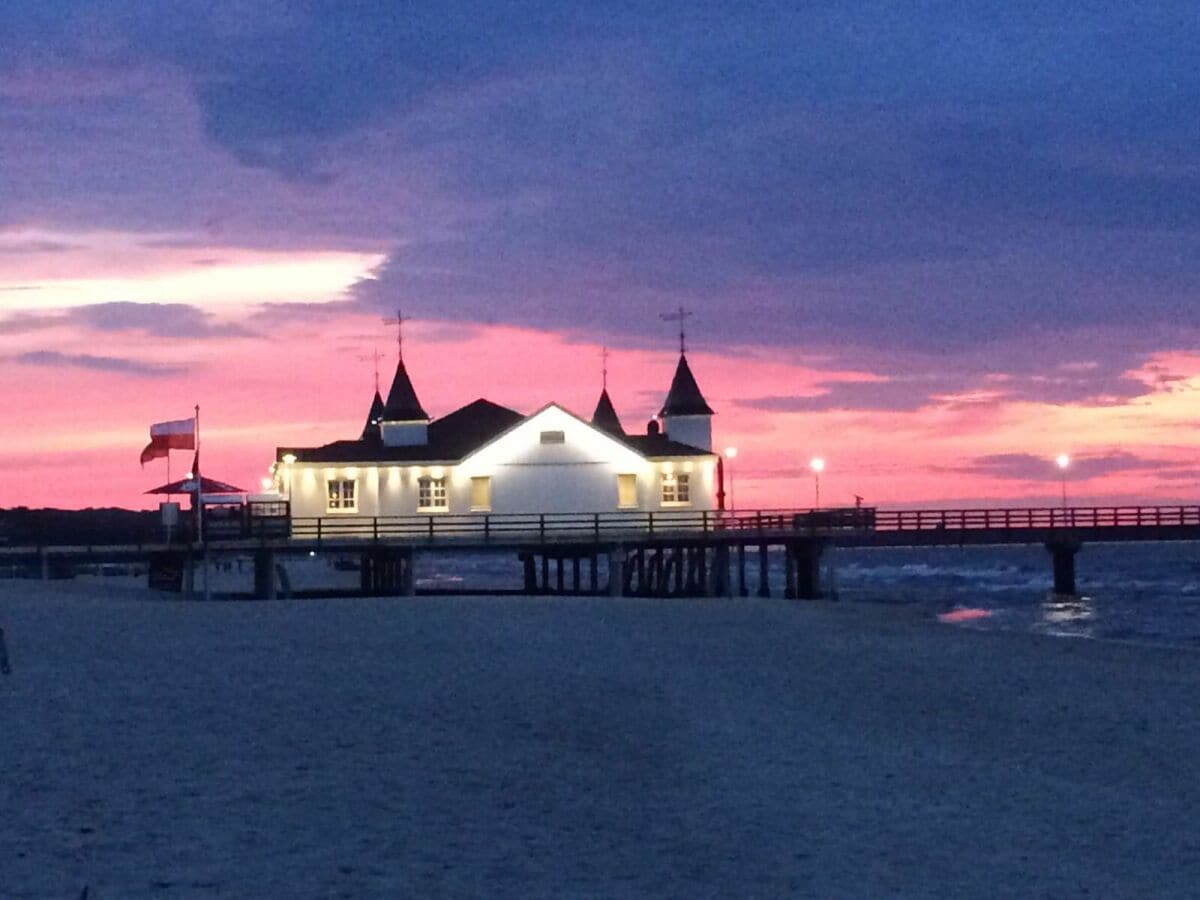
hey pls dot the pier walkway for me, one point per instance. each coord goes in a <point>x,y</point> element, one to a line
<point>681,552</point>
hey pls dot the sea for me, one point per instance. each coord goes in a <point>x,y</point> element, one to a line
<point>1128,591</point>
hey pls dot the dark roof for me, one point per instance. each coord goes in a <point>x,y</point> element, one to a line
<point>450,438</point>
<point>402,403</point>
<point>652,445</point>
<point>684,398</point>
<point>371,428</point>
<point>605,417</point>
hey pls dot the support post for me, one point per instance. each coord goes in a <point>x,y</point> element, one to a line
<point>594,573</point>
<point>789,571</point>
<point>720,571</point>
<point>530,567</point>
<point>741,566</point>
<point>616,573</point>
<point>764,584</point>
<point>545,571</point>
<point>806,557</point>
<point>1063,555</point>
<point>264,575</point>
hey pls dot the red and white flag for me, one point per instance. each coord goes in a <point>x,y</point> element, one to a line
<point>167,436</point>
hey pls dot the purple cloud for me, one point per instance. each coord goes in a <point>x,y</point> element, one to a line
<point>119,365</point>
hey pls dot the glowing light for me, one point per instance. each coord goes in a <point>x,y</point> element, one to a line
<point>1062,460</point>
<point>289,458</point>
<point>267,483</point>
<point>731,452</point>
<point>817,464</point>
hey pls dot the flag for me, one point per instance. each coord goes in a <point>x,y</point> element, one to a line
<point>168,436</point>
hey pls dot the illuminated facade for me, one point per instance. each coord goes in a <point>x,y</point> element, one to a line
<point>485,458</point>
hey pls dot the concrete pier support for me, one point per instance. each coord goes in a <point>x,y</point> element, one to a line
<point>719,583</point>
<point>530,569</point>
<point>741,567</point>
<point>264,575</point>
<point>616,573</point>
<point>388,573</point>
<point>1063,555</point>
<point>764,583</point>
<point>807,561</point>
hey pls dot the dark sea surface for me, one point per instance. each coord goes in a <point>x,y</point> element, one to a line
<point>1131,591</point>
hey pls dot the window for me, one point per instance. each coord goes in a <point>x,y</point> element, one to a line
<point>481,493</point>
<point>431,494</point>
<point>627,492</point>
<point>342,495</point>
<point>676,490</point>
<point>553,437</point>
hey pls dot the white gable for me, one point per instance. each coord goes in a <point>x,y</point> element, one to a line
<point>553,437</point>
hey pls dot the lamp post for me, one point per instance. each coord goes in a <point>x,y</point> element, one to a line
<point>1063,461</point>
<point>288,459</point>
<point>818,466</point>
<point>730,454</point>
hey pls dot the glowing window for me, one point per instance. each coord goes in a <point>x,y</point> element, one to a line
<point>481,493</point>
<point>431,494</point>
<point>676,489</point>
<point>627,492</point>
<point>341,495</point>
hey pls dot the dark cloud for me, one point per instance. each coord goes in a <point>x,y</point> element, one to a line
<point>966,189</point>
<point>119,365</point>
<point>1027,467</point>
<point>175,320</point>
<point>23,323</point>
<point>26,247</point>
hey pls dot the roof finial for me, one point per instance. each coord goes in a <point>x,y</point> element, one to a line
<point>604,367</point>
<point>376,356</point>
<point>681,317</point>
<point>398,321</point>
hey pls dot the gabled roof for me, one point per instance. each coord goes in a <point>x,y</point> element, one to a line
<point>461,433</point>
<point>371,428</point>
<point>402,403</point>
<point>652,446</point>
<point>605,417</point>
<point>684,398</point>
<point>450,439</point>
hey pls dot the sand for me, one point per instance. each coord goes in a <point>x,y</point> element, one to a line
<point>523,747</point>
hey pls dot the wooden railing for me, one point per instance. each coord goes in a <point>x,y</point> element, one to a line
<point>272,521</point>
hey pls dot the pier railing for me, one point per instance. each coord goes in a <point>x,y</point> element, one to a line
<point>272,521</point>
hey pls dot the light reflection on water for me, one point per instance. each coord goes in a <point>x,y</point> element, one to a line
<point>1068,615</point>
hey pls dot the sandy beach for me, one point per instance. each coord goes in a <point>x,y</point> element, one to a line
<point>582,747</point>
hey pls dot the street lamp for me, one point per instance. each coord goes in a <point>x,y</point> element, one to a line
<point>1063,461</point>
<point>730,454</point>
<point>818,466</point>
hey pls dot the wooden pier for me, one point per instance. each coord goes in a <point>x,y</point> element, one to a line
<point>659,554</point>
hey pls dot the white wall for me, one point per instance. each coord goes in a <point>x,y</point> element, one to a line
<point>578,475</point>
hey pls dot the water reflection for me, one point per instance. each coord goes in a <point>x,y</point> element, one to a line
<point>1069,615</point>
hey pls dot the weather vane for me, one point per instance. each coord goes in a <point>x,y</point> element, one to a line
<point>375,356</point>
<point>604,367</point>
<point>398,321</point>
<point>681,316</point>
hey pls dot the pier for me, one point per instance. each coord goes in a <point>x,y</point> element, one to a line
<point>653,554</point>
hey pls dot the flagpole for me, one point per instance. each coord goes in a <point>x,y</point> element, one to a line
<point>196,476</point>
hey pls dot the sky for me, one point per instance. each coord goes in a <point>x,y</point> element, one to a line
<point>935,244</point>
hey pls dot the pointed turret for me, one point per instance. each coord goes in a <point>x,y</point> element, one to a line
<point>404,422</point>
<point>374,417</point>
<point>686,416</point>
<point>605,417</point>
<point>684,398</point>
<point>402,403</point>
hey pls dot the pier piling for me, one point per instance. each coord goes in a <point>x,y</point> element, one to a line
<point>1063,555</point>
